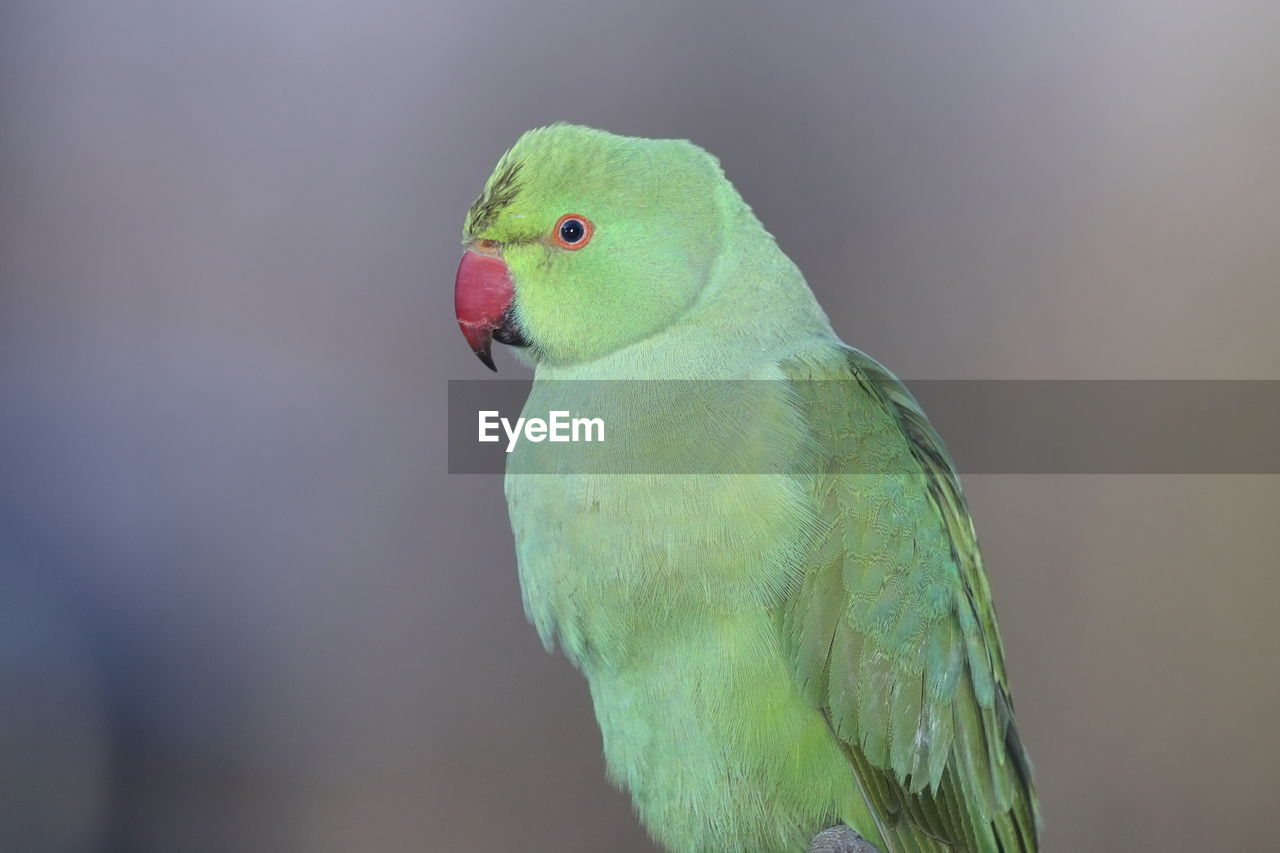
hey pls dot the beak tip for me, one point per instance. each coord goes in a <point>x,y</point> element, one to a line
<point>487,358</point>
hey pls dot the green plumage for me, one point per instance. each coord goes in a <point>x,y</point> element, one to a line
<point>893,635</point>
<point>769,653</point>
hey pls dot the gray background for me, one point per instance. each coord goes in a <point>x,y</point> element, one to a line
<point>242,603</point>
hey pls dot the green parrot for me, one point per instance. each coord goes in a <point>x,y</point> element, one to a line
<point>799,656</point>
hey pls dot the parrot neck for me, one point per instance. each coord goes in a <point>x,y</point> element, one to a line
<point>754,311</point>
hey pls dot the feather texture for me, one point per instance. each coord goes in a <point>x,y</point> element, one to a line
<point>913,678</point>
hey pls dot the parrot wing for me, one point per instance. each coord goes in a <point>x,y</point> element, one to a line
<point>891,630</point>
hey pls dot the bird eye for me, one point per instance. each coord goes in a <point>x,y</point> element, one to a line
<point>573,231</point>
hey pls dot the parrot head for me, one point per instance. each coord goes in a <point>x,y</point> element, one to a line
<point>583,242</point>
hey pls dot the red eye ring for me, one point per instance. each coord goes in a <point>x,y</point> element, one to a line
<point>572,231</point>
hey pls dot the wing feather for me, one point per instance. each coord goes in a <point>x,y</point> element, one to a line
<point>892,633</point>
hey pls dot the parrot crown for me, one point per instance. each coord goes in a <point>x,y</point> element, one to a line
<point>499,192</point>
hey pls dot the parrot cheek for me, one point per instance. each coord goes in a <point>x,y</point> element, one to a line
<point>482,297</point>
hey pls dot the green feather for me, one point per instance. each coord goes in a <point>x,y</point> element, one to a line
<point>932,712</point>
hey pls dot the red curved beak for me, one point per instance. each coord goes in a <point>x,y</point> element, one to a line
<point>482,296</point>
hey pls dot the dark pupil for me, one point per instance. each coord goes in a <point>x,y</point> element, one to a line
<point>571,230</point>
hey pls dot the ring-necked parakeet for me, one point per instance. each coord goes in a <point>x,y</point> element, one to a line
<point>770,653</point>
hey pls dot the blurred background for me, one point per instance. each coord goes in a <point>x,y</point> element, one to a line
<point>244,606</point>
